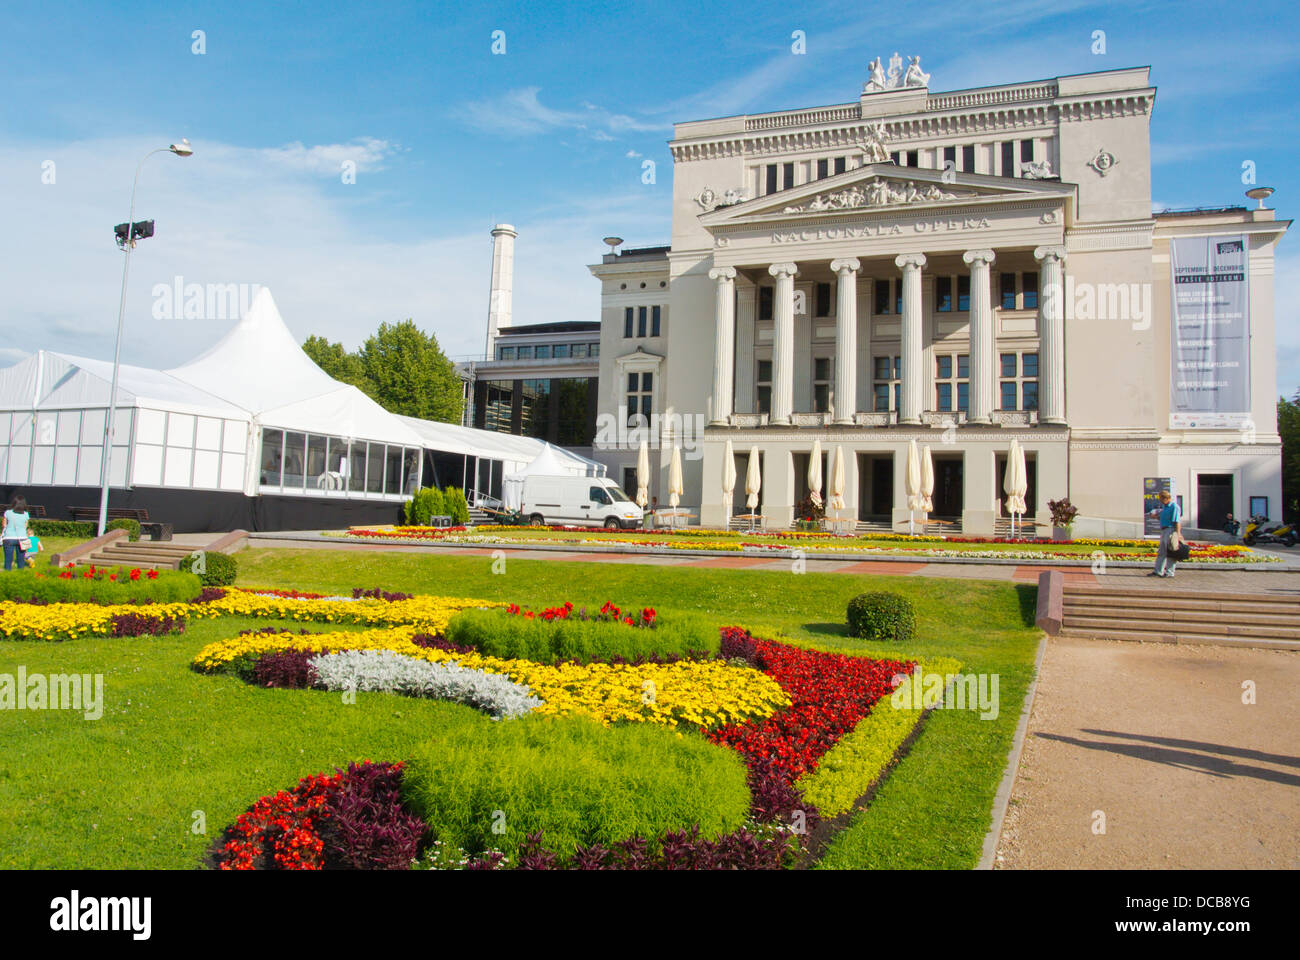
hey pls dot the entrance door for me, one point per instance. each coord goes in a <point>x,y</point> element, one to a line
<point>1213,500</point>
<point>947,497</point>
<point>875,486</point>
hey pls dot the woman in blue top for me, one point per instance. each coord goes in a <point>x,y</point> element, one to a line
<point>1170,523</point>
<point>15,534</point>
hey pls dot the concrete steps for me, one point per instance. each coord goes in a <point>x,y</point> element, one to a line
<point>143,554</point>
<point>1181,616</point>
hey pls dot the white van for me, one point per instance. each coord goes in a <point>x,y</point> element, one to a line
<point>584,501</point>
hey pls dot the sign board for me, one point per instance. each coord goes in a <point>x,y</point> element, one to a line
<point>1209,333</point>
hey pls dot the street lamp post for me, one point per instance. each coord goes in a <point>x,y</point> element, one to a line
<point>181,149</point>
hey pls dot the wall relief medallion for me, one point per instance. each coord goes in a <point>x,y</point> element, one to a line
<point>1103,162</point>
<point>709,199</point>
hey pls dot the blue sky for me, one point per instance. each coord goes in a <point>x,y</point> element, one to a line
<point>449,138</point>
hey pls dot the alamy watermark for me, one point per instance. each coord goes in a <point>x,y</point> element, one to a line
<point>950,691</point>
<point>179,300</point>
<point>686,430</point>
<point>56,691</point>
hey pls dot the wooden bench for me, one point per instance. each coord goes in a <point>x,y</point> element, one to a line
<point>32,510</point>
<point>155,529</point>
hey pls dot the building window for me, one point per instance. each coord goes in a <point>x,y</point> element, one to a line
<point>821,384</point>
<point>1019,381</point>
<point>1018,291</point>
<point>823,168</point>
<point>524,353</point>
<point>593,349</point>
<point>894,159</point>
<point>968,158</point>
<point>823,299</point>
<point>629,482</point>
<point>887,382</point>
<point>1029,284</point>
<point>639,388</point>
<point>560,351</point>
<point>1259,506</point>
<point>950,156</point>
<point>763,384</point>
<point>1008,158</point>
<point>1026,151</point>
<point>952,381</point>
<point>770,178</point>
<point>963,293</point>
<point>884,303</point>
<point>943,294</point>
<point>543,351</point>
<point>839,164</point>
<point>578,351</point>
<point>765,295</point>
<point>654,321</point>
<point>507,353</point>
<point>627,323</point>
<point>640,321</point>
<point>1007,290</point>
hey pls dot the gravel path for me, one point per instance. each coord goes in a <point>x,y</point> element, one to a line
<point>1156,737</point>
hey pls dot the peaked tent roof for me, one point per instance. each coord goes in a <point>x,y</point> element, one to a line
<point>58,381</point>
<point>259,366</point>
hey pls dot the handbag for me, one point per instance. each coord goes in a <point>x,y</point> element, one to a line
<point>1179,549</point>
<point>25,544</point>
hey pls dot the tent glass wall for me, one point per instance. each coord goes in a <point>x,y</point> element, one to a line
<point>188,451</point>
<point>311,464</point>
<point>61,447</point>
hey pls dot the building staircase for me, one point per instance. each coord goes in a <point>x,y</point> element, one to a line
<point>146,554</point>
<point>1181,616</point>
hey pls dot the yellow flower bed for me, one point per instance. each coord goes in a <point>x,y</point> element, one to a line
<point>67,621</point>
<point>429,613</point>
<point>699,693</point>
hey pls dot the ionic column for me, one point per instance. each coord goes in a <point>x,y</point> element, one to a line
<point>983,373</point>
<point>724,347</point>
<point>783,342</point>
<point>846,338</point>
<point>913,386</point>
<point>1051,334</point>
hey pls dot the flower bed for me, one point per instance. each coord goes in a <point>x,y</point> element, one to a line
<point>810,729</point>
<point>106,585</point>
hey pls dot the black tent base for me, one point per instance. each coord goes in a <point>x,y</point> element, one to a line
<point>210,511</point>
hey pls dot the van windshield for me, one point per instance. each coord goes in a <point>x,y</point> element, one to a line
<point>618,494</point>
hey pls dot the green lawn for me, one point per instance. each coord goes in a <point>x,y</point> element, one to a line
<point>123,791</point>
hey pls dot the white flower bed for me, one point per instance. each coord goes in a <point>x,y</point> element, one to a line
<point>387,672</point>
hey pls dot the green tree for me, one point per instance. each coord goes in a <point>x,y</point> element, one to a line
<point>1288,426</point>
<point>410,373</point>
<point>335,360</point>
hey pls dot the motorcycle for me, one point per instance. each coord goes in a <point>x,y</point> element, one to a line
<point>1261,529</point>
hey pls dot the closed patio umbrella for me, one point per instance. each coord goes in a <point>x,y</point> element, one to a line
<point>836,489</point>
<point>927,482</point>
<point>728,481</point>
<point>912,485</point>
<point>753,483</point>
<point>1015,482</point>
<point>643,476</point>
<point>815,474</point>
<point>675,490</point>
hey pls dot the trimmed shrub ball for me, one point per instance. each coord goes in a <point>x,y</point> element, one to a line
<point>881,616</point>
<point>220,571</point>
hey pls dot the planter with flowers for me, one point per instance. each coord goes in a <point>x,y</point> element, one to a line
<point>1063,514</point>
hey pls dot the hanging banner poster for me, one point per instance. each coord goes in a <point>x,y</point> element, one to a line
<point>1210,333</point>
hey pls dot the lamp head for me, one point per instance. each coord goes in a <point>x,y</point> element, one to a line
<point>182,149</point>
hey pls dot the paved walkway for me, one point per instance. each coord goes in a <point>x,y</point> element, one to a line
<point>1155,738</point>
<point>1281,579</point>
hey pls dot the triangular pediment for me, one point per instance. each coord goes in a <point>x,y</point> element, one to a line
<point>885,187</point>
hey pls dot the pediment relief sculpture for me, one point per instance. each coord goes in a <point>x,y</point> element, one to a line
<point>877,192</point>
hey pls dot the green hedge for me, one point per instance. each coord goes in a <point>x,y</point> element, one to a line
<point>221,569</point>
<point>432,502</point>
<point>881,616</point>
<point>573,779</point>
<point>170,587</point>
<point>132,527</point>
<point>82,529</point>
<point>500,634</point>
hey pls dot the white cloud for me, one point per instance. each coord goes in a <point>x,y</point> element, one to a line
<point>237,215</point>
<point>520,112</point>
<point>367,153</point>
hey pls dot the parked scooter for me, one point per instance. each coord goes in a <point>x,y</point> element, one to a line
<point>1261,529</point>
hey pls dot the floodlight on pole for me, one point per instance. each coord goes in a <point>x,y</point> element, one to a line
<point>127,234</point>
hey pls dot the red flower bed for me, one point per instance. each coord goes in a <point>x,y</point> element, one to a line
<point>831,694</point>
<point>609,613</point>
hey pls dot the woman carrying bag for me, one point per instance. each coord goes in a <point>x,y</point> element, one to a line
<point>15,534</point>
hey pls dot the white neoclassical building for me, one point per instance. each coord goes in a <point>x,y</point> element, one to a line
<point>956,268</point>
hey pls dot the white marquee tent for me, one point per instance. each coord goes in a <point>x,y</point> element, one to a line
<point>253,417</point>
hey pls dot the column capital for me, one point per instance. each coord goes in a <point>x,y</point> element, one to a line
<point>982,257</point>
<point>846,265</point>
<point>1050,251</point>
<point>783,269</point>
<point>905,260</point>
<point>722,273</point>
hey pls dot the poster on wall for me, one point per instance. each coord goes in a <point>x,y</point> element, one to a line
<point>1209,334</point>
<point>1151,490</point>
